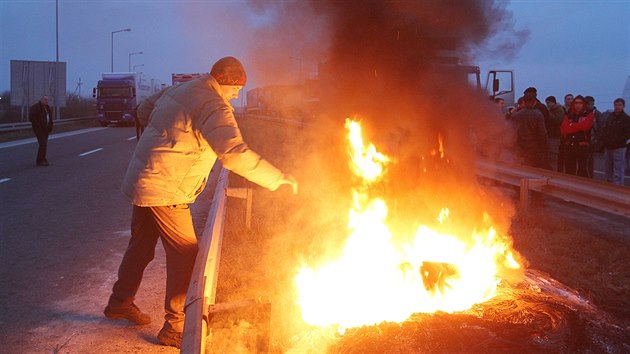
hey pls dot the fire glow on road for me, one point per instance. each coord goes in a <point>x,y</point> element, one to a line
<point>380,278</point>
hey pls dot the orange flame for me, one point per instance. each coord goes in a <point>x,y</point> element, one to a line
<point>376,279</point>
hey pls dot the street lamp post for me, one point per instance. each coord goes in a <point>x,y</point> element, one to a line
<point>130,54</point>
<point>123,30</point>
<point>56,93</point>
<point>135,66</point>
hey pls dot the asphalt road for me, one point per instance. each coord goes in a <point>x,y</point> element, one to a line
<point>63,229</point>
<point>73,204</point>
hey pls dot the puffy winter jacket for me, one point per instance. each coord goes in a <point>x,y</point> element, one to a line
<point>189,126</point>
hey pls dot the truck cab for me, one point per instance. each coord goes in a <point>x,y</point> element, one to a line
<point>500,84</point>
<point>117,96</point>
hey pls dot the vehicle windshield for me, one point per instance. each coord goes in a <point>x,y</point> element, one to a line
<point>111,92</point>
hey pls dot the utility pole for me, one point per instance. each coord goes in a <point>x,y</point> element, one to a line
<point>130,54</point>
<point>55,93</point>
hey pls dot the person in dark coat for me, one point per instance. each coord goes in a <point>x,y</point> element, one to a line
<point>548,124</point>
<point>531,133</point>
<point>556,115</point>
<point>41,119</point>
<point>615,137</point>
<point>596,132</point>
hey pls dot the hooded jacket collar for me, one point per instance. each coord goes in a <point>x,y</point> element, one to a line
<point>212,82</point>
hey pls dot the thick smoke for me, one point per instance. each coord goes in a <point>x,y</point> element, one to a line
<point>399,67</point>
<point>394,66</point>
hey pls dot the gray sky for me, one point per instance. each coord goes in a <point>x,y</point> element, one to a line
<point>579,47</point>
<point>582,47</point>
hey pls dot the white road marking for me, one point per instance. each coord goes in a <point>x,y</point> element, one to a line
<point>5,180</point>
<point>132,138</point>
<point>90,152</point>
<point>51,137</point>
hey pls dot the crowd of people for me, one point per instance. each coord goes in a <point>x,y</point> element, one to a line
<point>567,137</point>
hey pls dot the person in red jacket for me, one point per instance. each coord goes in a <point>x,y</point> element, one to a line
<point>576,137</point>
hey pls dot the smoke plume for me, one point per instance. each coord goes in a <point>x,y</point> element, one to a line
<point>400,67</point>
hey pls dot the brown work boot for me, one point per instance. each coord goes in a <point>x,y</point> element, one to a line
<point>130,312</point>
<point>170,337</point>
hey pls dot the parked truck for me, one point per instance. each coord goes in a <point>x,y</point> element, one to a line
<point>118,94</point>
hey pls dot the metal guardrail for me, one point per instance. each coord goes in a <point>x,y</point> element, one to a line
<point>8,127</point>
<point>592,193</point>
<point>202,288</point>
<point>203,284</point>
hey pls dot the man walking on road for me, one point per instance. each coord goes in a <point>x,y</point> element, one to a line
<point>188,127</point>
<point>41,119</point>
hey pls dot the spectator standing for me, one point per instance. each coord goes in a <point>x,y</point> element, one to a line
<point>41,119</point>
<point>568,99</point>
<point>576,129</point>
<point>598,126</point>
<point>556,115</point>
<point>545,112</point>
<point>615,137</point>
<point>188,127</point>
<point>531,134</point>
<point>500,102</point>
<point>517,107</point>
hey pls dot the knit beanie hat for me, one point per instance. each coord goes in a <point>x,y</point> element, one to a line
<point>229,71</point>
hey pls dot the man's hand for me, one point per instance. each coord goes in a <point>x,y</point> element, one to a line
<point>290,180</point>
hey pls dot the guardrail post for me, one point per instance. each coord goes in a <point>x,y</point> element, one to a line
<point>247,194</point>
<point>524,193</point>
<point>526,184</point>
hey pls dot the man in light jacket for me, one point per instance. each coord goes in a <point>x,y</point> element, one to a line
<point>188,127</point>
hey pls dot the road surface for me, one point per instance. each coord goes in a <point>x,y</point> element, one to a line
<point>63,230</point>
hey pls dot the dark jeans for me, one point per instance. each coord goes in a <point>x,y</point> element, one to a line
<point>42,140</point>
<point>173,225</point>
<point>576,159</point>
